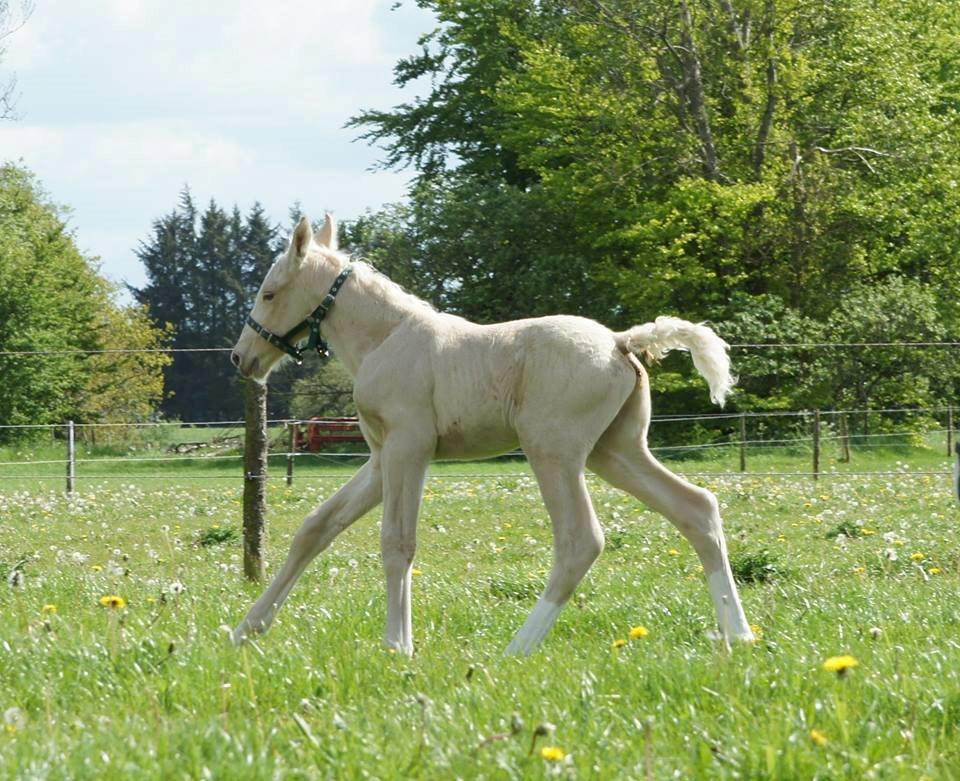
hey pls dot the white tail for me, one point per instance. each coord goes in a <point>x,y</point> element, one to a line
<point>708,351</point>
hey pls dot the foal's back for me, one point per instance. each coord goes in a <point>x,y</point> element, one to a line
<point>492,386</point>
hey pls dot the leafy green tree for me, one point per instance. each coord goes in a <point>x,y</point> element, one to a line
<point>52,305</point>
<point>124,382</point>
<point>895,310</point>
<point>326,392</point>
<point>706,159</point>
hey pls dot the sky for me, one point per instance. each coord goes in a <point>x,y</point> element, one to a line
<point>123,103</point>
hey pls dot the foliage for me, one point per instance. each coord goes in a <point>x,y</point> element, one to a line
<point>51,299</point>
<point>217,535</point>
<point>716,160</point>
<point>203,270</point>
<point>759,566</point>
<point>327,392</point>
<point>894,310</point>
<point>124,386</point>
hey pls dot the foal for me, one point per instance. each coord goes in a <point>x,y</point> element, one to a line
<point>429,385</point>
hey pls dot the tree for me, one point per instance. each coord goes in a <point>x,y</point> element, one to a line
<point>896,310</point>
<point>125,382</point>
<point>203,271</point>
<point>699,158</point>
<point>694,149</point>
<point>55,310</point>
<point>327,392</point>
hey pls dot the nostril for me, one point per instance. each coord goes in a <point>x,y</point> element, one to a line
<point>235,359</point>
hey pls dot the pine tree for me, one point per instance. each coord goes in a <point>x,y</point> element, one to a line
<point>203,272</point>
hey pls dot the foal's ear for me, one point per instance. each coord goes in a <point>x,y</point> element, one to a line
<point>328,233</point>
<point>300,241</point>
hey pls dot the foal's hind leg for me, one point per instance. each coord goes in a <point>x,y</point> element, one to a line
<point>356,498</point>
<point>577,542</point>
<point>621,458</point>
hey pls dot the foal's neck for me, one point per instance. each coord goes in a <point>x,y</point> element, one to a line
<point>367,309</point>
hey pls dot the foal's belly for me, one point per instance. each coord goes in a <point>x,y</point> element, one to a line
<point>469,439</point>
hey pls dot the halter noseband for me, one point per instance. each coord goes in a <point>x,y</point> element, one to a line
<point>312,322</point>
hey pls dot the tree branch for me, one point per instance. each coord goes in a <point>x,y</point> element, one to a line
<point>766,123</point>
<point>859,151</point>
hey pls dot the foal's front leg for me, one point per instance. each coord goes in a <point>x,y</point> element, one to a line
<point>357,497</point>
<point>405,461</point>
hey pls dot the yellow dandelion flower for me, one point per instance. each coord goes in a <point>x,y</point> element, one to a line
<point>113,601</point>
<point>934,571</point>
<point>552,753</point>
<point>96,568</point>
<point>48,609</point>
<point>867,532</point>
<point>818,737</point>
<point>639,632</point>
<point>757,630</point>
<point>673,552</point>
<point>416,572</point>
<point>858,570</point>
<point>917,556</point>
<point>618,643</point>
<point>840,664</point>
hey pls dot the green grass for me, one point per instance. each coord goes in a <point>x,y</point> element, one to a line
<point>154,690</point>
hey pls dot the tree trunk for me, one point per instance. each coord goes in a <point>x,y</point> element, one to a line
<point>695,94</point>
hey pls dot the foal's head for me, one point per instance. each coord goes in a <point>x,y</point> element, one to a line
<point>283,301</point>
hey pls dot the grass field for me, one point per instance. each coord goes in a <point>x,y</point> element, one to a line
<point>848,565</point>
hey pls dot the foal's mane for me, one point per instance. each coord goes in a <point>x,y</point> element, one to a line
<point>378,283</point>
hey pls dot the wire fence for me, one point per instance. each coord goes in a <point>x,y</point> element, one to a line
<point>721,444</point>
<point>212,450</point>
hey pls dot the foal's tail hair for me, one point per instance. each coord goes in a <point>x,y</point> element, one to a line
<point>709,351</point>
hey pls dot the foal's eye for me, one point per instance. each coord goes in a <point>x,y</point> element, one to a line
<point>268,296</point>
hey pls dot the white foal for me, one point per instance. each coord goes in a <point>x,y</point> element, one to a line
<point>567,390</point>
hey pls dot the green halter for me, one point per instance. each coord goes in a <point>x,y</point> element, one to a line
<point>312,322</point>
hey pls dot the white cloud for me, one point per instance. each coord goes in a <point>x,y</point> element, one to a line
<point>124,102</point>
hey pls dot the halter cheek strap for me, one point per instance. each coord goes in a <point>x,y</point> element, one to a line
<point>312,323</point>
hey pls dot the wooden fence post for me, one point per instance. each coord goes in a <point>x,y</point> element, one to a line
<point>743,443</point>
<point>949,431</point>
<point>255,448</point>
<point>71,457</point>
<point>291,449</point>
<point>816,444</point>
